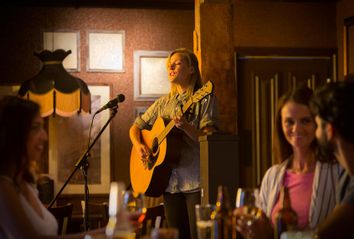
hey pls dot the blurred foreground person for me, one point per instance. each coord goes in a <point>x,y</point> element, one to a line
<point>22,141</point>
<point>334,110</point>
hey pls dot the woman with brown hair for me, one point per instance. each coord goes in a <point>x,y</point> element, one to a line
<point>22,143</point>
<point>310,182</point>
<point>183,190</point>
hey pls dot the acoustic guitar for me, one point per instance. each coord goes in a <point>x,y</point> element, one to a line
<point>152,177</point>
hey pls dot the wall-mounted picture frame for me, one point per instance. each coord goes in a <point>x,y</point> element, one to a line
<point>106,51</point>
<point>150,75</point>
<point>68,141</point>
<point>66,40</point>
<point>348,45</point>
<point>139,110</point>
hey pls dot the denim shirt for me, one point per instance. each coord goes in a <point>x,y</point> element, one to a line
<point>185,176</point>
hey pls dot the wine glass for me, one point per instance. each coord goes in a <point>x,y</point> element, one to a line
<point>115,202</point>
<point>247,200</point>
<point>134,205</point>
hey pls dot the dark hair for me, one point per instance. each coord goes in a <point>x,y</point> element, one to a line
<point>16,116</point>
<point>334,103</point>
<point>282,148</point>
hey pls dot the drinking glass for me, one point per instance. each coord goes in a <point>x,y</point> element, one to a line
<point>247,199</point>
<point>133,204</point>
<point>164,233</point>
<point>117,223</point>
<point>205,215</point>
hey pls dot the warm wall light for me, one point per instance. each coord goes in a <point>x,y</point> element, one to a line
<point>54,89</point>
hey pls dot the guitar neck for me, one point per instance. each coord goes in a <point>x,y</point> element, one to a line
<point>171,124</point>
<point>197,96</point>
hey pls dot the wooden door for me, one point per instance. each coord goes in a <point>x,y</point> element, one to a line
<point>261,80</point>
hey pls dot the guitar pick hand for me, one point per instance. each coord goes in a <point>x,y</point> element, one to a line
<point>143,152</point>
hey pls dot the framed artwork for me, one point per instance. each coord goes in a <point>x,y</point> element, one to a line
<point>106,51</point>
<point>150,75</point>
<point>68,141</point>
<point>348,45</point>
<point>139,110</point>
<point>66,40</point>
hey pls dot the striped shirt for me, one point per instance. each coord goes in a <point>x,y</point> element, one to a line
<point>323,190</point>
<point>345,189</point>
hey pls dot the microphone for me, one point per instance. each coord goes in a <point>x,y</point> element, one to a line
<point>112,103</point>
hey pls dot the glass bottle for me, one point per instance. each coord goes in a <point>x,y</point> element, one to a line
<point>286,217</point>
<point>223,227</point>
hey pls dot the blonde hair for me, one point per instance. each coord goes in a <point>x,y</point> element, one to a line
<point>190,58</point>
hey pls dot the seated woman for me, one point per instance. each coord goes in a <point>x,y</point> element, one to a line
<point>22,141</point>
<point>311,183</point>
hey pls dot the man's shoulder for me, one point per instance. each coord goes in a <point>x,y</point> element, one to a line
<point>346,189</point>
<point>350,186</point>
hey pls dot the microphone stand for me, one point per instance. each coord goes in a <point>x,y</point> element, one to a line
<point>83,162</point>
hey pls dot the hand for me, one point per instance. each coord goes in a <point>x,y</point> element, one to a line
<point>190,130</point>
<point>181,122</point>
<point>143,152</point>
<point>259,228</point>
<point>136,221</point>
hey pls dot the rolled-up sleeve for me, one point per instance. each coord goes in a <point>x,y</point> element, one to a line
<point>146,120</point>
<point>209,112</point>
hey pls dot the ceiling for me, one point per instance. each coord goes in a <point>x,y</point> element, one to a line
<point>164,4</point>
<point>172,4</point>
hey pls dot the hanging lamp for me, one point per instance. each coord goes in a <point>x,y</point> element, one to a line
<point>54,89</point>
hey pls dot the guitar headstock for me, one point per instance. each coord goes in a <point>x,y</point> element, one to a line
<point>206,89</point>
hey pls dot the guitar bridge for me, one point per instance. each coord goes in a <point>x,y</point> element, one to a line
<point>151,162</point>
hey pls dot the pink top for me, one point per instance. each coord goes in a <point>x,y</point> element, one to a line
<point>300,191</point>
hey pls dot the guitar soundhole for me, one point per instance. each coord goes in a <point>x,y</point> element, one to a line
<point>153,157</point>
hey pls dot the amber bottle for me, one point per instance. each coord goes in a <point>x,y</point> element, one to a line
<point>223,227</point>
<point>286,217</point>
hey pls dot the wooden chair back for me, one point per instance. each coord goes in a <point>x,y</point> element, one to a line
<point>150,218</point>
<point>63,215</point>
<point>98,214</point>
